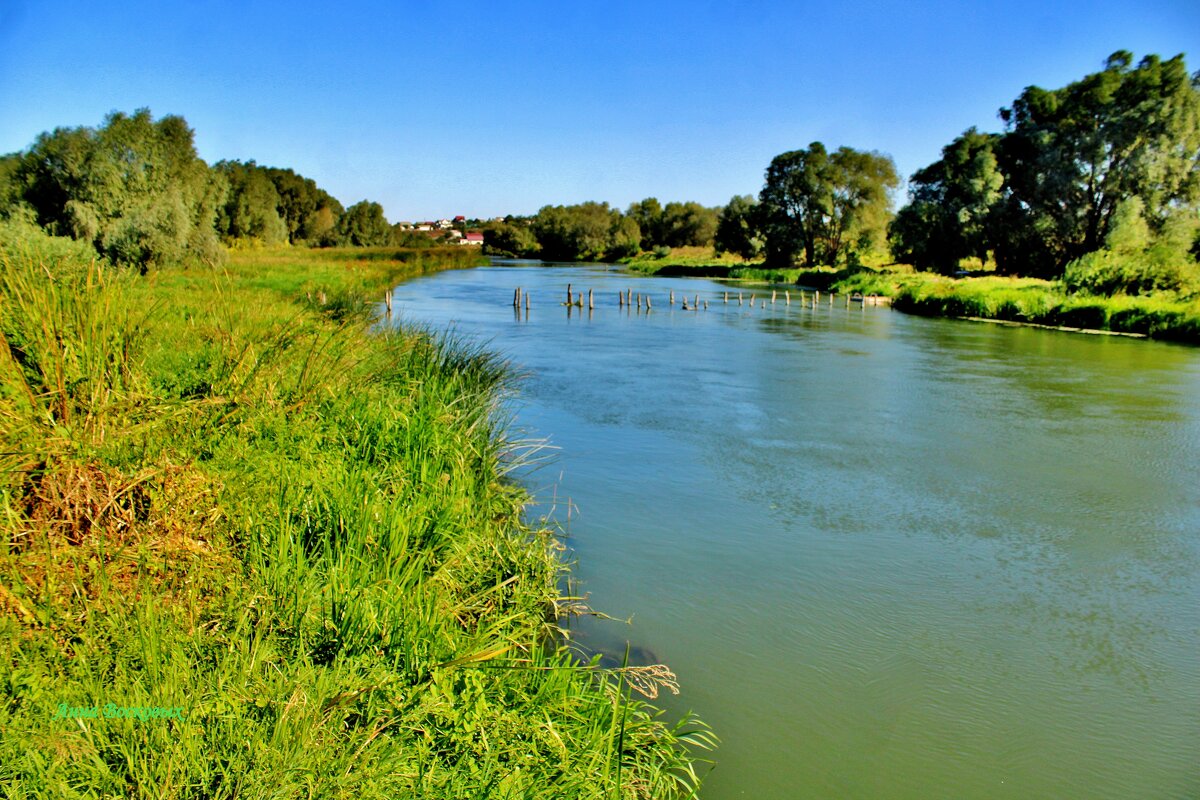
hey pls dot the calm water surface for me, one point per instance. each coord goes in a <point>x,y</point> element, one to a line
<point>887,556</point>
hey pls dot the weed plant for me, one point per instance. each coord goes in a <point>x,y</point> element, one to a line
<point>228,500</point>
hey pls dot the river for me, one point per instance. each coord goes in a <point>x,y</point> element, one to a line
<point>887,556</point>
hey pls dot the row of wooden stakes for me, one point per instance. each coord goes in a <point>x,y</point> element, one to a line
<point>628,298</point>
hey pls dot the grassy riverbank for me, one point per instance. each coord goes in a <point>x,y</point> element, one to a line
<point>289,541</point>
<point>1029,300</point>
<point>1022,300</point>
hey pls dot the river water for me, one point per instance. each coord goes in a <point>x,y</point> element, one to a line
<point>887,556</point>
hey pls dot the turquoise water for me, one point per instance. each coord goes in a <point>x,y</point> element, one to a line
<point>887,556</point>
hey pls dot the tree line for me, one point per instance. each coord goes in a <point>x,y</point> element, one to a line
<point>136,189</point>
<point>1096,184</point>
<point>593,231</point>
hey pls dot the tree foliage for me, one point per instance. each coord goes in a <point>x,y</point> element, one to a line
<point>675,225</point>
<point>585,232</point>
<point>251,207</point>
<point>951,206</point>
<point>513,238</point>
<point>829,208</point>
<point>1047,192</point>
<point>363,225</point>
<point>1070,156</point>
<point>739,228</point>
<point>134,188</point>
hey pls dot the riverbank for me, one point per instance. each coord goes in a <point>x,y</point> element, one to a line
<point>281,549</point>
<point>1015,300</point>
<point>1032,301</point>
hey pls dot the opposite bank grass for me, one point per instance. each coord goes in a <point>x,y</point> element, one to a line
<point>253,549</point>
<point>1164,315</point>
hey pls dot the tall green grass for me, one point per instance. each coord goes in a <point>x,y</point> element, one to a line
<point>224,496</point>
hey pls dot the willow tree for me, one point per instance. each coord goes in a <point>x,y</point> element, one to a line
<point>1070,156</point>
<point>828,207</point>
<point>952,205</point>
<point>134,188</point>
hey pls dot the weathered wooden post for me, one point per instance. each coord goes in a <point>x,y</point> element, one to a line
<point>685,305</point>
<point>568,294</point>
<point>527,303</point>
<point>629,297</point>
<point>387,301</point>
<point>816,297</point>
<point>727,297</point>
<point>706,305</point>
<point>671,302</point>
<point>591,302</point>
<point>621,299</point>
<point>647,302</point>
<point>787,296</point>
<point>739,298</point>
<point>772,297</point>
<point>831,298</point>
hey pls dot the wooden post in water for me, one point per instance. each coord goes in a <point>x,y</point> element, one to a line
<point>526,303</point>
<point>727,297</point>
<point>787,296</point>
<point>516,297</point>
<point>671,302</point>
<point>697,302</point>
<point>685,305</point>
<point>752,300</point>
<point>591,302</point>
<point>831,298</point>
<point>387,301</point>
<point>772,297</point>
<point>739,298</point>
<point>706,305</point>
<point>647,302</point>
<point>569,294</point>
<point>620,299</point>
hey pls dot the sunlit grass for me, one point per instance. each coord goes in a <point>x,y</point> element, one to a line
<point>222,494</point>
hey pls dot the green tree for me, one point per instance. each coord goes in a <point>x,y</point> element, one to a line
<point>648,214</point>
<point>1135,260</point>
<point>301,203</point>
<point>363,225</point>
<point>134,188</point>
<point>251,207</point>
<point>952,206</point>
<point>573,233</point>
<point>687,224</point>
<point>1070,156</point>
<point>12,192</point>
<point>624,236</point>
<point>827,207</point>
<point>738,229</point>
<point>514,239</point>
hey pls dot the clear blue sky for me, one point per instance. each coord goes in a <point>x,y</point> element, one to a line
<point>436,109</point>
